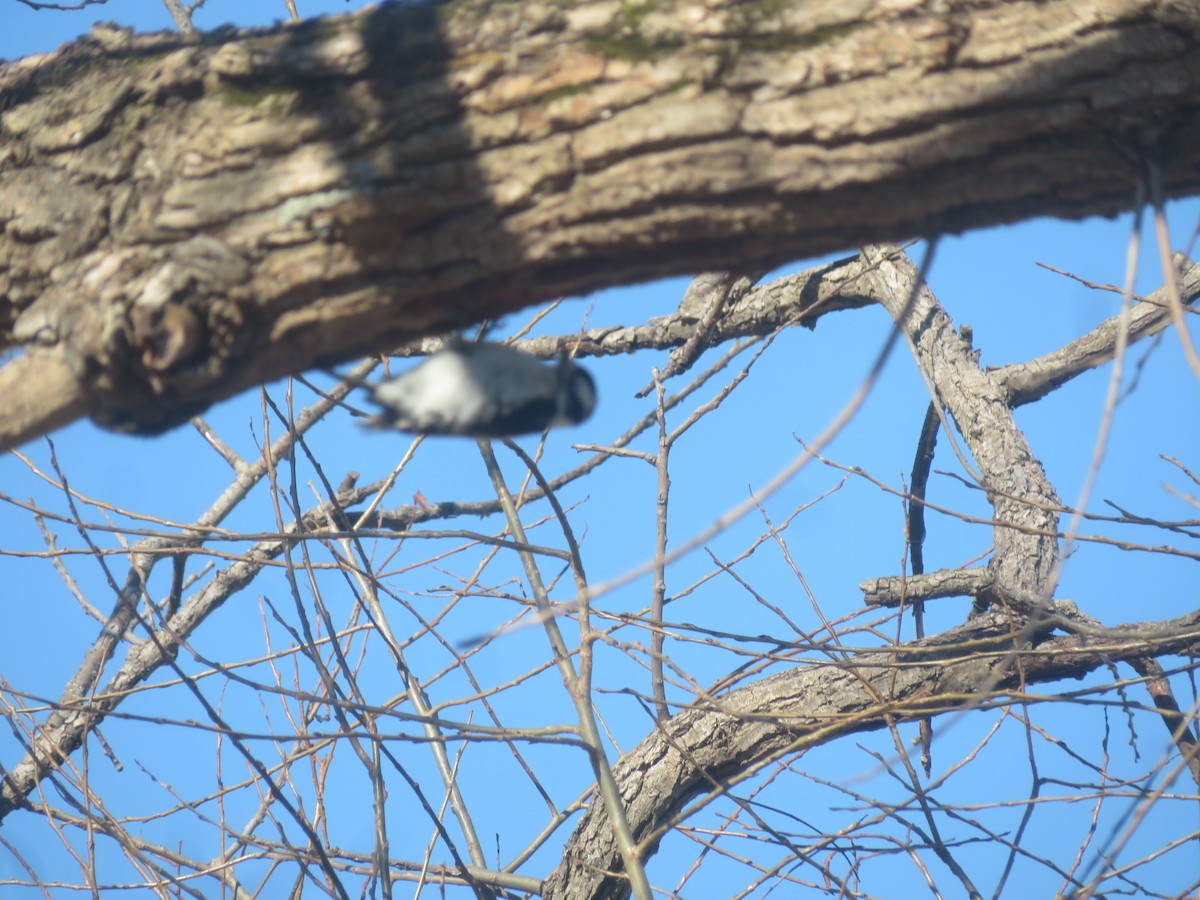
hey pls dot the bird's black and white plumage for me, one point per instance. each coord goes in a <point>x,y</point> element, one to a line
<point>484,390</point>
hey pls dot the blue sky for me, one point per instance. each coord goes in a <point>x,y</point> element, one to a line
<point>988,279</point>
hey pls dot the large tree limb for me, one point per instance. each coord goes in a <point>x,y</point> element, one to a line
<point>808,705</point>
<point>182,221</point>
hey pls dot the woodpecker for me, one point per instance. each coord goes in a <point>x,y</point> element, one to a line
<point>484,390</point>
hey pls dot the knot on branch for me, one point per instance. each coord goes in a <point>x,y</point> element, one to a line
<point>169,331</point>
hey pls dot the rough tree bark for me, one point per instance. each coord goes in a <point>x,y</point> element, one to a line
<point>1025,637</point>
<point>746,730</point>
<point>186,219</point>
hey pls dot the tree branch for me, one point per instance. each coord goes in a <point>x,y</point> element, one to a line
<point>184,221</point>
<point>811,705</point>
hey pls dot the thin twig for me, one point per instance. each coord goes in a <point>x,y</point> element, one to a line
<point>578,691</point>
